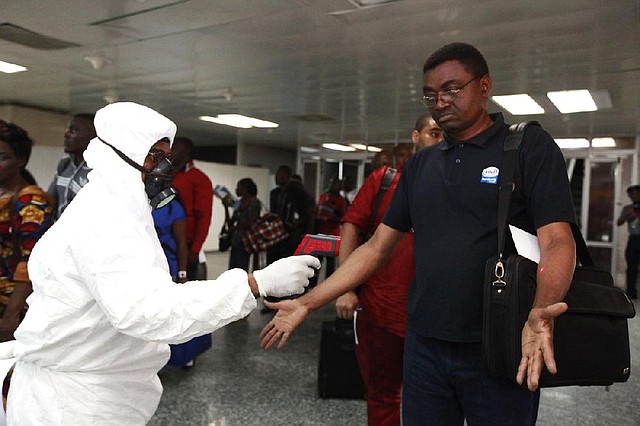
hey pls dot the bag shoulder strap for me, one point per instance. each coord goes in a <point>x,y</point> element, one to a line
<point>509,155</point>
<point>387,179</point>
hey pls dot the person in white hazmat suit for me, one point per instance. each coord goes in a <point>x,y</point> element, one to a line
<point>104,306</point>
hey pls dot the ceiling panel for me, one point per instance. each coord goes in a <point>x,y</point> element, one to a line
<point>283,59</point>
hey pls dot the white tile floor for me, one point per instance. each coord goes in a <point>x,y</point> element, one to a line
<point>237,383</point>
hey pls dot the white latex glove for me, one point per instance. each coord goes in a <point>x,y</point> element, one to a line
<point>286,277</point>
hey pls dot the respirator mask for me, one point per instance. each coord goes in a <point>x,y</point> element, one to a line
<point>157,181</point>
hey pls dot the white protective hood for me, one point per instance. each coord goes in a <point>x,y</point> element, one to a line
<point>104,306</point>
<point>132,129</point>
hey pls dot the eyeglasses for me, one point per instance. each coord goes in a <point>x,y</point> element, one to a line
<point>447,95</point>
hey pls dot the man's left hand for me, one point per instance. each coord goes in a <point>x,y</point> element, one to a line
<point>537,344</point>
<point>291,313</point>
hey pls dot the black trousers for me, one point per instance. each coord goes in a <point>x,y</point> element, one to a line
<point>632,256</point>
<point>197,271</point>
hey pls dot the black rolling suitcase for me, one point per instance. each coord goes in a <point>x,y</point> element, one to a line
<point>338,373</point>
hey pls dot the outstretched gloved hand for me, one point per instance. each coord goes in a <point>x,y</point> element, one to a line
<point>286,277</point>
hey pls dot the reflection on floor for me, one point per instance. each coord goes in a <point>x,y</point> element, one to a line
<point>238,384</point>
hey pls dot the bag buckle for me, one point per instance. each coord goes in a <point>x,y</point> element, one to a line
<point>499,274</point>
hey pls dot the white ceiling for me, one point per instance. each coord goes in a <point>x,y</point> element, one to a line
<point>286,59</point>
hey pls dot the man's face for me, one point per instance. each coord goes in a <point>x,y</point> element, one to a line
<point>180,154</point>
<point>429,135</point>
<point>281,177</point>
<point>467,108</point>
<point>157,152</point>
<point>634,195</point>
<point>78,134</point>
<point>9,164</point>
<point>402,154</point>
<point>382,158</point>
<point>335,187</point>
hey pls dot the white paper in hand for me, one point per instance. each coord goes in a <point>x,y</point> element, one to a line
<point>526,243</point>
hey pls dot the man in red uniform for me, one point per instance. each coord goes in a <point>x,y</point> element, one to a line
<point>381,316</point>
<point>329,212</point>
<point>196,194</point>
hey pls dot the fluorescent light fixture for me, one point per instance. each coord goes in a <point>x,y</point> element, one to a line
<point>219,120</point>
<point>308,149</point>
<point>237,120</point>
<point>573,143</point>
<point>569,101</point>
<point>250,121</point>
<point>9,68</point>
<point>603,143</point>
<point>362,147</point>
<point>338,147</point>
<point>521,104</point>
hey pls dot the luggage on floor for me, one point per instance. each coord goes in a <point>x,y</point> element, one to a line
<point>184,352</point>
<point>338,373</point>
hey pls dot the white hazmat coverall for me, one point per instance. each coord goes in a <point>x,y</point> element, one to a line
<point>104,307</point>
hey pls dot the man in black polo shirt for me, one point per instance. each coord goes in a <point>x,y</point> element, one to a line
<point>448,195</point>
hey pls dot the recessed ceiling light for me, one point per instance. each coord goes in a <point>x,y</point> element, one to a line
<point>9,68</point>
<point>603,142</point>
<point>363,147</point>
<point>570,101</point>
<point>521,104</point>
<point>574,143</point>
<point>308,149</point>
<point>240,121</point>
<point>338,147</point>
<point>218,120</point>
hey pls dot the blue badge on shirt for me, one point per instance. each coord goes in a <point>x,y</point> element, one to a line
<point>490,175</point>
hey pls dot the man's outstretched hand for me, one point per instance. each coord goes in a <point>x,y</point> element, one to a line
<point>291,313</point>
<point>537,344</point>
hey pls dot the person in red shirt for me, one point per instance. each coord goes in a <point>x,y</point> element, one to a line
<point>196,195</point>
<point>381,301</point>
<point>329,211</point>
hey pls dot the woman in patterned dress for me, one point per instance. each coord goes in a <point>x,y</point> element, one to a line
<point>25,214</point>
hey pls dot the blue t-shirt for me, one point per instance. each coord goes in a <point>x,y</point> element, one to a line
<point>448,194</point>
<point>163,219</point>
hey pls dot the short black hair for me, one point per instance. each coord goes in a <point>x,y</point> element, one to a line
<point>466,54</point>
<point>286,170</point>
<point>87,116</point>
<point>633,188</point>
<point>181,140</point>
<point>249,185</point>
<point>17,138</point>
<point>421,122</point>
